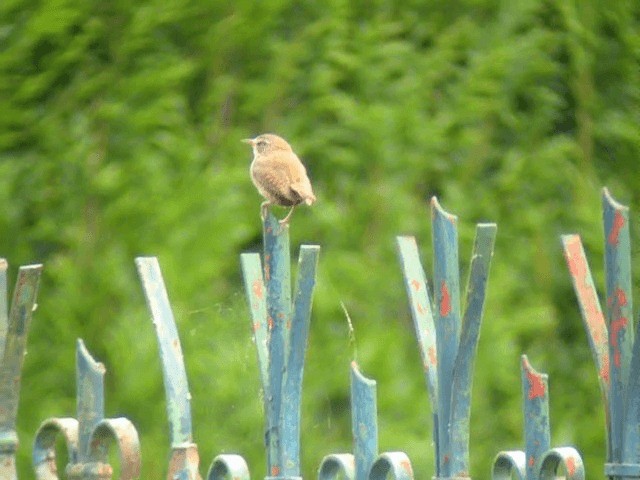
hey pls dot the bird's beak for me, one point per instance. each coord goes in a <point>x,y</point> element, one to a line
<point>250,141</point>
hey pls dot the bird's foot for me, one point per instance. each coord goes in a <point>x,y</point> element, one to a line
<point>285,220</point>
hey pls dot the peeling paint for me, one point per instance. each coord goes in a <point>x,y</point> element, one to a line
<point>537,387</point>
<point>618,223</point>
<point>257,289</point>
<point>445,300</point>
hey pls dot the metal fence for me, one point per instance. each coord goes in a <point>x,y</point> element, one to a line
<point>447,337</point>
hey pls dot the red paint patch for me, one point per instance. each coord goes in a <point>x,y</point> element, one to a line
<point>445,300</point>
<point>536,385</point>
<point>532,461</point>
<point>618,223</point>
<point>415,284</point>
<point>257,289</point>
<point>571,466</point>
<point>275,471</point>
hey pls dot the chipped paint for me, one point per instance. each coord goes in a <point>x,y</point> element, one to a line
<point>537,387</point>
<point>618,223</point>
<point>617,326</point>
<point>415,284</point>
<point>257,289</point>
<point>570,463</point>
<point>445,300</point>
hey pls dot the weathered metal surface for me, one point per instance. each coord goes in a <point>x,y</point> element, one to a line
<point>446,289</point>
<point>89,438</point>
<point>184,454</point>
<point>463,368</point>
<point>280,330</point>
<point>566,457</point>
<point>364,428</point>
<point>447,345</point>
<point>14,327</point>
<point>228,467</point>
<point>618,313</point>
<point>616,354</point>
<point>395,465</point>
<point>537,429</point>
<point>538,460</point>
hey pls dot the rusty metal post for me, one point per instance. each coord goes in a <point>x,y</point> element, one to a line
<point>280,330</point>
<point>14,327</point>
<point>448,343</point>
<point>89,438</point>
<point>611,338</point>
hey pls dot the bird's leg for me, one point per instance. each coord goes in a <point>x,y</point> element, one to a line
<point>285,220</point>
<point>264,209</point>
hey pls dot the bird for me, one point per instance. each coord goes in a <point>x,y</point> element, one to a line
<point>278,174</point>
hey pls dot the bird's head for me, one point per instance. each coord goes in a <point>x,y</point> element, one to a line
<point>267,143</point>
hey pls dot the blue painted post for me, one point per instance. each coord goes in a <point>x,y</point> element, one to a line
<point>280,331</point>
<point>364,427</point>
<point>89,438</point>
<point>14,327</point>
<point>184,452</point>
<point>184,458</point>
<point>538,461</point>
<point>615,352</point>
<point>447,344</point>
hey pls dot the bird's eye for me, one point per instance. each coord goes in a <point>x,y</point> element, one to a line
<point>261,143</point>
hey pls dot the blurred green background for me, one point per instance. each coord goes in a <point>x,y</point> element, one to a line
<point>119,136</point>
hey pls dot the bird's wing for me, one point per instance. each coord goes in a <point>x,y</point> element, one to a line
<point>297,185</point>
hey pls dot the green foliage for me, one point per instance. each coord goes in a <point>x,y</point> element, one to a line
<point>119,136</point>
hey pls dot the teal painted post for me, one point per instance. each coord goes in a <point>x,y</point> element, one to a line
<point>280,331</point>
<point>89,438</point>
<point>537,429</point>
<point>14,327</point>
<point>364,422</point>
<point>364,429</point>
<point>447,344</point>
<point>538,461</point>
<point>611,338</point>
<point>184,458</point>
<point>89,397</point>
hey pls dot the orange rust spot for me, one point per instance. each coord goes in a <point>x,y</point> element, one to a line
<point>275,471</point>
<point>415,284</point>
<point>406,466</point>
<point>618,223</point>
<point>531,461</point>
<point>420,308</point>
<point>536,386</point>
<point>433,357</point>
<point>256,326</point>
<point>571,466</point>
<point>445,300</point>
<point>270,323</point>
<point>257,289</point>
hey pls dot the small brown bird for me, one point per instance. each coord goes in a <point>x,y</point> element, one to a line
<point>278,174</point>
